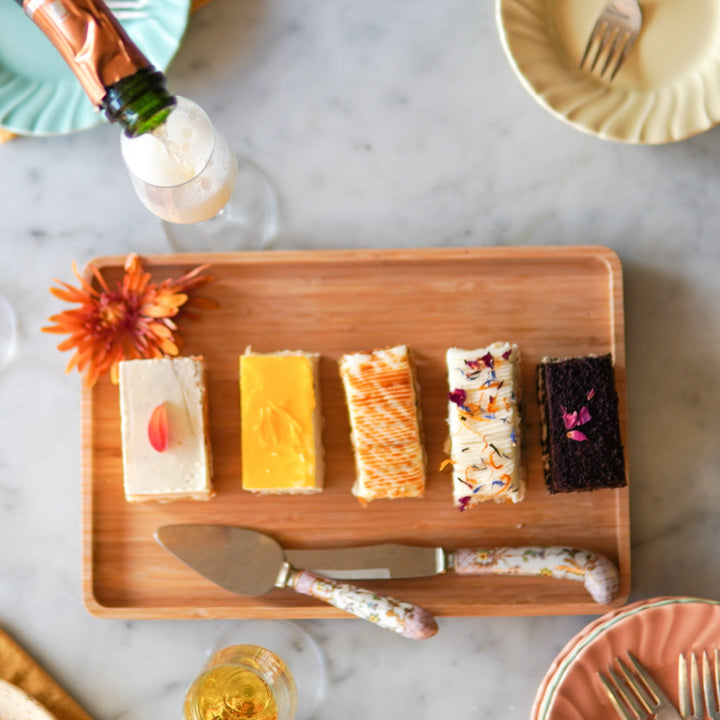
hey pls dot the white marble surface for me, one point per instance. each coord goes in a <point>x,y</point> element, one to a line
<point>383,124</point>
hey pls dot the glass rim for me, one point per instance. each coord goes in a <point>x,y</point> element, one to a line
<point>211,151</point>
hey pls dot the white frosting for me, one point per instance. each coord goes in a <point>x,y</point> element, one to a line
<point>484,424</point>
<point>184,468</point>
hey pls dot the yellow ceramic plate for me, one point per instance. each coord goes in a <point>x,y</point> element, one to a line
<point>668,89</point>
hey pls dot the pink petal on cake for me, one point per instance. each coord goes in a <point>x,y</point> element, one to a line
<point>158,428</point>
<point>569,419</point>
<point>577,435</point>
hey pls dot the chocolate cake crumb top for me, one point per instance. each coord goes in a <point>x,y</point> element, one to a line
<point>582,447</point>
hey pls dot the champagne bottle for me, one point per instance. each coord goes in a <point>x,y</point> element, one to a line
<point>119,80</point>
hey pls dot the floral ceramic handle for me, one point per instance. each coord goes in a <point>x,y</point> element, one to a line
<point>598,574</point>
<point>404,618</point>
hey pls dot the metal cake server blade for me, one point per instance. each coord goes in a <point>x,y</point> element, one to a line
<point>250,563</point>
<point>373,562</point>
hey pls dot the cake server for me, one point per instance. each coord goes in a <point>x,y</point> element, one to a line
<point>598,574</point>
<point>252,563</point>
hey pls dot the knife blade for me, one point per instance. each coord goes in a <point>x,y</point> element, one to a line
<point>251,563</point>
<point>373,562</point>
<point>390,560</point>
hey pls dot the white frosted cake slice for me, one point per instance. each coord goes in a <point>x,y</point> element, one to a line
<point>165,447</point>
<point>382,399</point>
<point>484,421</point>
<point>281,428</point>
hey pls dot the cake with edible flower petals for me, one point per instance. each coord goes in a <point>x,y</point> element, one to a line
<point>164,427</point>
<point>581,442</point>
<point>484,420</point>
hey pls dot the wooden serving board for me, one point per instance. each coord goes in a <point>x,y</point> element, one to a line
<point>551,301</point>
<point>20,669</point>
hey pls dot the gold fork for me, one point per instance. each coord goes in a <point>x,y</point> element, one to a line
<point>635,695</point>
<point>613,36</point>
<point>695,696</point>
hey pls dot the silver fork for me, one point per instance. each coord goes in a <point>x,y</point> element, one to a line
<point>635,695</point>
<point>692,692</point>
<point>614,35</point>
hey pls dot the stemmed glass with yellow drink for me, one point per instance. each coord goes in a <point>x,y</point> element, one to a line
<point>259,670</point>
<point>243,681</point>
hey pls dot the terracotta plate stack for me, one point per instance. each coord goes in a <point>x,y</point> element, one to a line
<point>655,631</point>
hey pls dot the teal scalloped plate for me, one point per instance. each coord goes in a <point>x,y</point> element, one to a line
<point>39,95</point>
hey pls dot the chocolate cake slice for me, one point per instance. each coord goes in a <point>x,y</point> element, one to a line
<point>582,447</point>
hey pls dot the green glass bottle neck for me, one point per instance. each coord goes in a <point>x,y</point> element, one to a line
<point>139,103</point>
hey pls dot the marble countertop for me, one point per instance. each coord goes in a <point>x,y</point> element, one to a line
<point>383,125</point>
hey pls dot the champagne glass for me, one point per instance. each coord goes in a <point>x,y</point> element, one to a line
<point>275,665</point>
<point>186,173</point>
<point>243,681</point>
<point>8,332</point>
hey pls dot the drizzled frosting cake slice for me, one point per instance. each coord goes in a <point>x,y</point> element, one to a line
<point>382,399</point>
<point>484,421</point>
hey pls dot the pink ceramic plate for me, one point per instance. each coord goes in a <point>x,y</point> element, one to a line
<point>558,662</point>
<point>558,665</point>
<point>654,631</point>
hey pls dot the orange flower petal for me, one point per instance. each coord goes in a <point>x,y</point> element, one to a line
<point>158,434</point>
<point>68,293</point>
<point>87,287</point>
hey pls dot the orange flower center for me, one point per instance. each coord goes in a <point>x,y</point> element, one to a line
<point>113,312</point>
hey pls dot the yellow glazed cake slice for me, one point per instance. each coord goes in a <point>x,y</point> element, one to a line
<point>382,400</point>
<point>484,424</point>
<point>163,408</point>
<point>281,423</point>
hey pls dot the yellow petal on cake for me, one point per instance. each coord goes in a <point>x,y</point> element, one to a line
<point>382,398</point>
<point>484,420</point>
<point>183,470</point>
<point>281,423</point>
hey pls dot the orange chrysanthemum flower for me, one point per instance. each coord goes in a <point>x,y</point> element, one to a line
<point>133,321</point>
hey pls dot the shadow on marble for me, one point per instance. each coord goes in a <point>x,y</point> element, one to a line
<point>673,391</point>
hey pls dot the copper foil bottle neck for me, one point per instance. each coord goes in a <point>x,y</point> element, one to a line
<point>90,39</point>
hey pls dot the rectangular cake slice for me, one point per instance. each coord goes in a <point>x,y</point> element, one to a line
<point>582,447</point>
<point>281,429</point>
<point>382,399</point>
<point>165,447</point>
<point>484,420</point>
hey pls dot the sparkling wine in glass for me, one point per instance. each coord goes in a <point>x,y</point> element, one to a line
<point>186,173</point>
<point>243,681</point>
<point>259,669</point>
